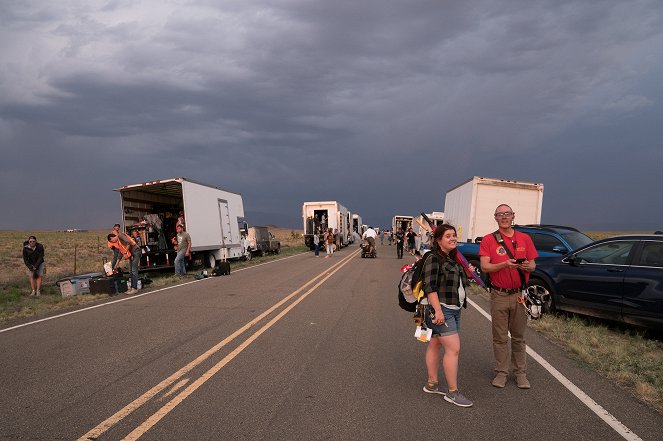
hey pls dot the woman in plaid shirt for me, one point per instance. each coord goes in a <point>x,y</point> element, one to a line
<point>444,284</point>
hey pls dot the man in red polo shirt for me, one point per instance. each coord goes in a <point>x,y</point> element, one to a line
<point>507,306</point>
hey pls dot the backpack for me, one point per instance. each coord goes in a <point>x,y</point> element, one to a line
<point>410,288</point>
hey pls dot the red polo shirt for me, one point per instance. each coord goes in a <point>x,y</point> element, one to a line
<point>520,245</point>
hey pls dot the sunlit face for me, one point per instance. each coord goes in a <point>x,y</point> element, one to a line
<point>504,216</point>
<point>447,241</point>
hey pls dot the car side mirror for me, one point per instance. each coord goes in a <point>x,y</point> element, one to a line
<point>560,249</point>
<point>573,260</point>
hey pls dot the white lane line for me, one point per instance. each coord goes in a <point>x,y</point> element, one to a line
<point>135,296</point>
<point>595,407</point>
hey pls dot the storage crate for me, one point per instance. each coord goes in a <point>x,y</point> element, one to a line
<point>75,285</point>
<point>108,285</point>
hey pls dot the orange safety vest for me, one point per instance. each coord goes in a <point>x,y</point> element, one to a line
<point>126,252</point>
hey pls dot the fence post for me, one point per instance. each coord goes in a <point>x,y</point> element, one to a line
<point>75,253</point>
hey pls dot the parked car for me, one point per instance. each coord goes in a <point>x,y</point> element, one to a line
<point>619,278</point>
<point>549,240</point>
<point>260,241</point>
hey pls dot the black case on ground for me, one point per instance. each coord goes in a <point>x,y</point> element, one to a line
<point>108,285</point>
<point>221,269</point>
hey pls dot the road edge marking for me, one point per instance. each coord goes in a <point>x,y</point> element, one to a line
<point>595,407</point>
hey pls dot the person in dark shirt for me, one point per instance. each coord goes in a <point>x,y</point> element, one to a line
<point>33,257</point>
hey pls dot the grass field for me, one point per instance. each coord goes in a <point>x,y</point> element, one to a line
<point>67,254</point>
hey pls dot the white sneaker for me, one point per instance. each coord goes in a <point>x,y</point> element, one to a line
<point>132,291</point>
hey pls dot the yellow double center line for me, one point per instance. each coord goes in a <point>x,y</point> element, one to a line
<point>179,398</point>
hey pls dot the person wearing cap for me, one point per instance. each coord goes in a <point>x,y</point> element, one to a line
<point>130,250</point>
<point>508,278</point>
<point>33,257</point>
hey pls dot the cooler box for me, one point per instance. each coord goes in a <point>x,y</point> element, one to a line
<point>74,285</point>
<point>108,285</point>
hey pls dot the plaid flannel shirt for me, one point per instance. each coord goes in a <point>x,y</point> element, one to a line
<point>442,274</point>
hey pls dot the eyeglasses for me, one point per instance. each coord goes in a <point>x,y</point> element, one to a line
<point>32,241</point>
<point>504,215</point>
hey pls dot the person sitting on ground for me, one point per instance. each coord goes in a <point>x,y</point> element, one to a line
<point>33,257</point>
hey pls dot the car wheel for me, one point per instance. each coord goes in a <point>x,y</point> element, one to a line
<point>248,255</point>
<point>540,289</point>
<point>278,250</point>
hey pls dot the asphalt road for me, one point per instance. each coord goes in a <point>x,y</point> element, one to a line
<point>301,348</point>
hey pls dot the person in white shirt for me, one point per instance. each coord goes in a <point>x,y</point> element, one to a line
<point>370,234</point>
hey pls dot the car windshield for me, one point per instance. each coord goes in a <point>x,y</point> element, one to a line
<point>576,239</point>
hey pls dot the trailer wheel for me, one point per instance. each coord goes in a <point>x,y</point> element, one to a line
<point>248,255</point>
<point>211,260</point>
<point>278,250</point>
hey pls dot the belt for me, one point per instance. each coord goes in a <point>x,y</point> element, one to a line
<point>508,291</point>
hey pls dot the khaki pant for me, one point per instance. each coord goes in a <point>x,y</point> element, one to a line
<point>508,315</point>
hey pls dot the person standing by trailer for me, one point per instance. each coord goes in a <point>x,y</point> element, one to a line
<point>411,241</point>
<point>329,240</point>
<point>316,243</point>
<point>399,236</point>
<point>183,243</point>
<point>116,252</point>
<point>508,277</point>
<point>33,257</point>
<point>130,250</point>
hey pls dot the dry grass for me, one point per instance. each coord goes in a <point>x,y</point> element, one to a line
<point>623,354</point>
<point>67,254</point>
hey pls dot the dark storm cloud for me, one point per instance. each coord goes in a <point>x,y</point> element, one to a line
<point>355,101</point>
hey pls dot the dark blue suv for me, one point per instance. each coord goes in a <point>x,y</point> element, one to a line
<point>619,278</point>
<point>549,240</point>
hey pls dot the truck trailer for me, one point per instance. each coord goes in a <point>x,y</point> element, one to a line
<point>212,216</point>
<point>403,222</point>
<point>470,206</point>
<point>318,217</point>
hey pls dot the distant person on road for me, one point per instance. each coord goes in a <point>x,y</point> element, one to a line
<point>316,243</point>
<point>130,250</point>
<point>444,284</point>
<point>329,240</point>
<point>507,306</point>
<point>116,252</point>
<point>183,243</point>
<point>411,241</point>
<point>390,237</point>
<point>33,257</point>
<point>382,236</point>
<point>400,237</point>
<point>370,234</point>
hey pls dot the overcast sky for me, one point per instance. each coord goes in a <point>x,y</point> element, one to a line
<point>382,105</point>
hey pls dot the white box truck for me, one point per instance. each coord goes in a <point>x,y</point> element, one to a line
<point>470,206</point>
<point>213,217</point>
<point>320,216</point>
<point>403,222</point>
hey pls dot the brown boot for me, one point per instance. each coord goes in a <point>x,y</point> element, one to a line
<point>499,380</point>
<point>522,382</point>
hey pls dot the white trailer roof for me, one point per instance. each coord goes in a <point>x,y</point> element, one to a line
<point>167,186</point>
